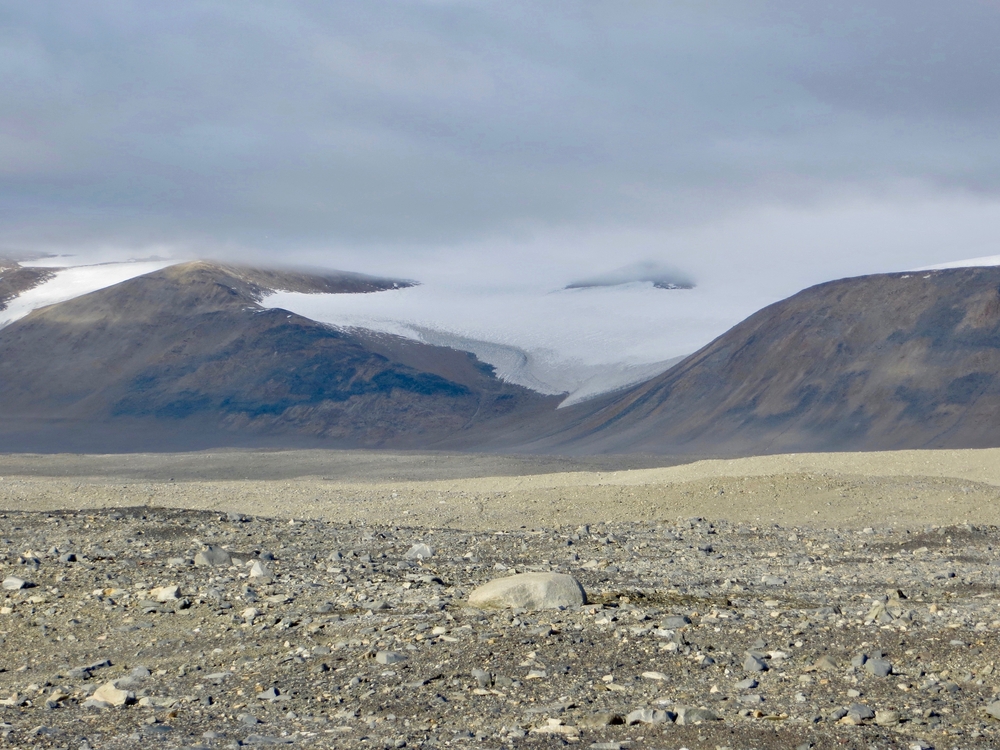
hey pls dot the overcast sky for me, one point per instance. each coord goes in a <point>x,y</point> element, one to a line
<point>804,139</point>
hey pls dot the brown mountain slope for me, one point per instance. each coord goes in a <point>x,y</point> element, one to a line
<point>188,354</point>
<point>871,363</point>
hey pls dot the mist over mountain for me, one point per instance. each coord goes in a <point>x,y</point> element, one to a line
<point>659,275</point>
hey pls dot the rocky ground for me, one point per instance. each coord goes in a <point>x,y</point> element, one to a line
<point>184,628</point>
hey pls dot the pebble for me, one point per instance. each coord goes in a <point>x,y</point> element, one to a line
<point>389,657</point>
<point>13,583</point>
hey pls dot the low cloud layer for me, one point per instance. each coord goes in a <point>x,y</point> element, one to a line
<point>657,274</point>
<point>287,128</point>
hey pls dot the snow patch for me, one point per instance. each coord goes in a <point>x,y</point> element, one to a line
<point>74,282</point>
<point>986,260</point>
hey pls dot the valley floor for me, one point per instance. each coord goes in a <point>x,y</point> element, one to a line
<point>840,600</point>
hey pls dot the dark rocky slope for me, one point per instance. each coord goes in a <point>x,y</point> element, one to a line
<point>871,363</point>
<point>186,357</point>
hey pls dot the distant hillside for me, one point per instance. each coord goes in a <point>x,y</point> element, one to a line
<point>871,363</point>
<point>186,355</point>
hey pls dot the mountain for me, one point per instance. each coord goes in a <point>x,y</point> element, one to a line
<point>905,360</point>
<point>186,356</point>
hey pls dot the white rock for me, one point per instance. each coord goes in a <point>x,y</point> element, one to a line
<point>13,583</point>
<point>530,591</point>
<point>420,551</point>
<point>389,657</point>
<point>166,593</point>
<point>259,570</point>
<point>113,695</point>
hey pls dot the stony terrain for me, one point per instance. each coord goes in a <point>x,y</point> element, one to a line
<point>225,628</point>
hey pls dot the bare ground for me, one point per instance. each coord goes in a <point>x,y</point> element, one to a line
<point>854,490</point>
<point>809,601</point>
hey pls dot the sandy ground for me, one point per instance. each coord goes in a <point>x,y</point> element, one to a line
<point>905,489</point>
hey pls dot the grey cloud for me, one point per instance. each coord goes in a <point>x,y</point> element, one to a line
<point>658,274</point>
<point>377,123</point>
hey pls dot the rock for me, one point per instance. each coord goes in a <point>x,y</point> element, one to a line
<point>825,663</point>
<point>878,667</point>
<point>646,716</point>
<point>860,712</point>
<point>259,570</point>
<point>859,660</point>
<point>602,719</point>
<point>773,581</point>
<point>111,694</point>
<point>753,663</point>
<point>213,557</point>
<point>887,718</point>
<point>389,657</point>
<point>654,676</point>
<point>483,679</point>
<point>166,593</point>
<point>993,709</point>
<point>419,551</point>
<point>553,726</point>
<point>675,621</point>
<point>13,583</point>
<point>748,684</point>
<point>155,701</point>
<point>688,715</point>
<point>530,591</point>
<point>271,694</point>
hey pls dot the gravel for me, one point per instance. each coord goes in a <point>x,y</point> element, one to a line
<point>371,648</point>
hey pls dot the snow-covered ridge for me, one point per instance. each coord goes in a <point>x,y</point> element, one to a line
<point>986,260</point>
<point>578,342</point>
<point>68,283</point>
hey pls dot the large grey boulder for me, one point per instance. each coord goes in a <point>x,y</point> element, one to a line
<point>213,557</point>
<point>530,591</point>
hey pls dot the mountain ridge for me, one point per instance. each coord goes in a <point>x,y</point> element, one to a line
<point>888,361</point>
<point>191,342</point>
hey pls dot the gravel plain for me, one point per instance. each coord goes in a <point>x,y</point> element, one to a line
<point>320,599</point>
